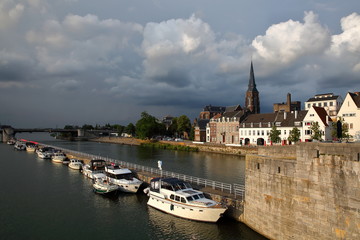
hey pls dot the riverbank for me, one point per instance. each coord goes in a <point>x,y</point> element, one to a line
<point>202,147</point>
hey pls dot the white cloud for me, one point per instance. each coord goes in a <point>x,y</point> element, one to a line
<point>346,46</point>
<point>286,42</point>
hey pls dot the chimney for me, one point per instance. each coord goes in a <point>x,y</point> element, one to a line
<point>296,114</point>
<point>285,113</point>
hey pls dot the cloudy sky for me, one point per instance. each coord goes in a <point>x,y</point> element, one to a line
<point>97,62</point>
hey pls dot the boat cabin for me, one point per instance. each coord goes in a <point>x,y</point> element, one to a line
<point>97,164</point>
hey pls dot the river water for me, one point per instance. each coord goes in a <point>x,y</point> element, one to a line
<point>43,200</point>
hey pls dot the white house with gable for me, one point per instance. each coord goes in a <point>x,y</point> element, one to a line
<point>350,113</point>
<point>316,114</point>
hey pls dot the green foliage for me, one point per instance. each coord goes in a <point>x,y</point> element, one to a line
<point>130,129</point>
<point>184,124</point>
<point>171,147</point>
<point>87,127</point>
<point>148,126</point>
<point>316,132</point>
<point>294,135</point>
<point>275,135</point>
<point>192,133</point>
<point>344,129</point>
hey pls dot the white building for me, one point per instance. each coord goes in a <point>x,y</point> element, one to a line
<point>255,129</point>
<point>350,113</point>
<point>317,114</point>
<point>328,101</point>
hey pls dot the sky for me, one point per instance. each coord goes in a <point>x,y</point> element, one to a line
<point>76,62</point>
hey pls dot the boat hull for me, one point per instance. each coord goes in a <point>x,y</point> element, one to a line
<point>104,188</point>
<point>203,214</point>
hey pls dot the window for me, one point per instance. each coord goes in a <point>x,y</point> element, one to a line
<point>309,105</point>
<point>319,104</point>
<point>262,132</point>
<point>183,200</point>
<point>325,104</point>
<point>311,115</point>
<point>331,104</point>
<point>308,132</point>
<point>284,132</point>
<point>351,126</point>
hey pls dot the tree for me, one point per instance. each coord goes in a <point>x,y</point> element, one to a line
<point>316,131</point>
<point>130,129</point>
<point>275,135</point>
<point>183,125</point>
<point>147,126</point>
<point>87,127</point>
<point>344,130</point>
<point>192,133</point>
<point>173,127</point>
<point>294,135</point>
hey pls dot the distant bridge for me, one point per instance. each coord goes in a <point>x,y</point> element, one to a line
<point>9,132</point>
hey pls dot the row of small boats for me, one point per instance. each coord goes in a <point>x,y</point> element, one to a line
<point>170,195</point>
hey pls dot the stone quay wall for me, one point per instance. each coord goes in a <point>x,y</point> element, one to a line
<point>312,194</point>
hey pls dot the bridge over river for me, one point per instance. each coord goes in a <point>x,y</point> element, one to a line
<point>9,132</point>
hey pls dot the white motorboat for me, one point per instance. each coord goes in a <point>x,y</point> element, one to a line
<point>75,164</point>
<point>94,166</point>
<point>58,157</point>
<point>178,198</point>
<point>45,152</point>
<point>11,142</point>
<point>19,145</point>
<point>102,185</point>
<point>123,177</point>
<point>30,147</point>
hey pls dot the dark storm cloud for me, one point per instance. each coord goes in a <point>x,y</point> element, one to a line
<point>113,60</point>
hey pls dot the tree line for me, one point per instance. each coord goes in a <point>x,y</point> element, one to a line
<point>147,127</point>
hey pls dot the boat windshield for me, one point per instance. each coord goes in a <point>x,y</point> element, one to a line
<point>126,176</point>
<point>181,186</point>
<point>195,197</point>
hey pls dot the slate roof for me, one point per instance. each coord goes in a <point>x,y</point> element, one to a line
<point>356,98</point>
<point>313,99</point>
<point>233,108</point>
<point>252,84</point>
<point>265,118</point>
<point>201,123</point>
<point>210,108</point>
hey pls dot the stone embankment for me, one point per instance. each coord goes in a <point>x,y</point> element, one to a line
<point>203,147</point>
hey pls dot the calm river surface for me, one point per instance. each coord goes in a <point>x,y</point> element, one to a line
<point>43,200</point>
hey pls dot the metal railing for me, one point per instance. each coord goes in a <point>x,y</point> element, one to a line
<point>237,189</point>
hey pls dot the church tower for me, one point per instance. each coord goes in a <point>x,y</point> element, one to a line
<point>252,101</point>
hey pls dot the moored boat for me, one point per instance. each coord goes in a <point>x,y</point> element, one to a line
<point>101,184</point>
<point>75,164</point>
<point>30,147</point>
<point>45,152</point>
<point>58,157</point>
<point>93,167</point>
<point>123,177</point>
<point>19,145</point>
<point>11,142</point>
<point>176,197</point>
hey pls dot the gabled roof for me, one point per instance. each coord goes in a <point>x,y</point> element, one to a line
<point>356,98</point>
<point>233,108</point>
<point>322,114</point>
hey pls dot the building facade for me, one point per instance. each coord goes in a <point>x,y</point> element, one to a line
<point>288,106</point>
<point>350,113</point>
<point>330,102</point>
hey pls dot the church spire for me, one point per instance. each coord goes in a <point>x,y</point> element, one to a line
<point>252,84</point>
<point>252,101</point>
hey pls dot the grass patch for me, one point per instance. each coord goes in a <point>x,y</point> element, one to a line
<point>170,147</point>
